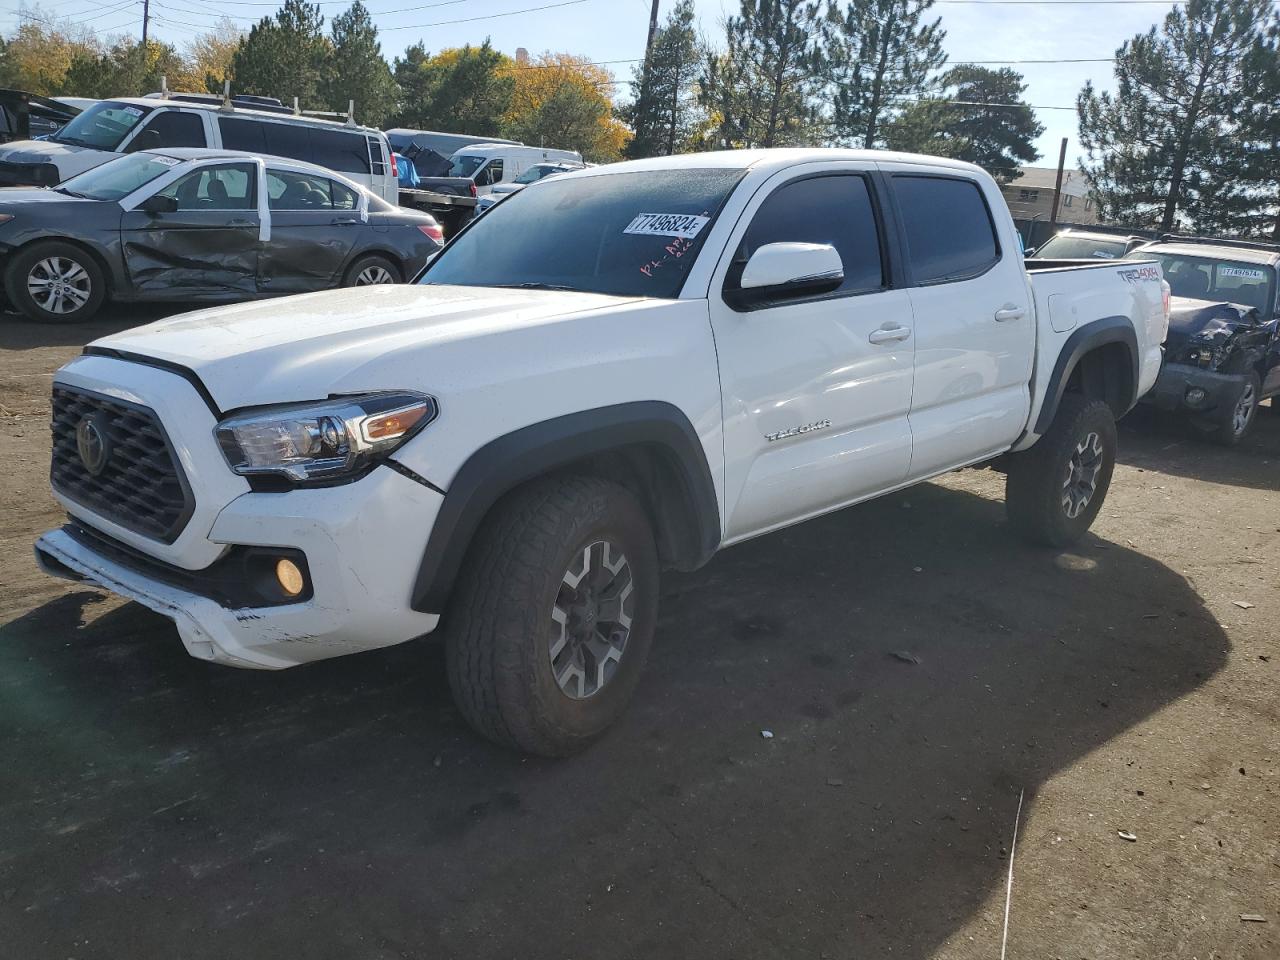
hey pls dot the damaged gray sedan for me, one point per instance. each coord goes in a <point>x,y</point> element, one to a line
<point>200,226</point>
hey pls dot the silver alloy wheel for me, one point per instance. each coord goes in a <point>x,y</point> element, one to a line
<point>1243,413</point>
<point>59,285</point>
<point>592,616</point>
<point>374,273</point>
<point>1082,475</point>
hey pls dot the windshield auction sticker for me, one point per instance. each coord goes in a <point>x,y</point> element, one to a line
<point>685,225</point>
<point>1244,273</point>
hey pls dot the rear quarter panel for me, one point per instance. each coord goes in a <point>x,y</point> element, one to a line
<point>1069,298</point>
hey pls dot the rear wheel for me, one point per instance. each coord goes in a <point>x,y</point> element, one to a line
<point>54,282</point>
<point>370,270</point>
<point>554,616</point>
<point>1055,489</point>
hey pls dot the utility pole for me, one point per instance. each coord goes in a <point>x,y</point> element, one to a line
<point>146,19</point>
<point>1057,187</point>
<point>653,28</point>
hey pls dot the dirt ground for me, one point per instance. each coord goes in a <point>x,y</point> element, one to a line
<point>155,806</point>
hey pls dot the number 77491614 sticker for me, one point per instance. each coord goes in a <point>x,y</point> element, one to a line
<point>686,225</point>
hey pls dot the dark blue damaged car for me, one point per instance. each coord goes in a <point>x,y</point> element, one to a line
<point>200,226</point>
<point>1222,355</point>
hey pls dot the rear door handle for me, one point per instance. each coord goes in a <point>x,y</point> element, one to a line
<point>1010,312</point>
<point>889,334</point>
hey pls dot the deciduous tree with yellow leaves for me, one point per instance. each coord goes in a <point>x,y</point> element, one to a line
<point>563,101</point>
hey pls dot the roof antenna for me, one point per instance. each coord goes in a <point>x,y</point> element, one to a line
<point>226,96</point>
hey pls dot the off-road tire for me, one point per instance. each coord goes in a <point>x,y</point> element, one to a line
<point>1035,489</point>
<point>499,625</point>
<point>1225,429</point>
<point>372,263</point>
<point>19,271</point>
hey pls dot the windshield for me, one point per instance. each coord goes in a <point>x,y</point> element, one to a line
<point>118,178</point>
<point>1066,247</point>
<point>626,234</point>
<point>1200,278</point>
<point>465,166</point>
<point>102,126</point>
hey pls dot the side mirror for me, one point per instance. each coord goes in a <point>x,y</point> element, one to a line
<point>158,203</point>
<point>782,271</point>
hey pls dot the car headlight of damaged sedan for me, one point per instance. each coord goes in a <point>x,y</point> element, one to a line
<point>331,439</point>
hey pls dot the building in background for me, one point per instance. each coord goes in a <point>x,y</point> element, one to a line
<point>1030,196</point>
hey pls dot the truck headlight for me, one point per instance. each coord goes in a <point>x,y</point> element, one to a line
<point>324,440</point>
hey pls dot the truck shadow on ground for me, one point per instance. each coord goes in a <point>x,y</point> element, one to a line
<point>1166,444</point>
<point>156,805</point>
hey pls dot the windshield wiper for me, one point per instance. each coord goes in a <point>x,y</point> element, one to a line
<point>534,285</point>
<point>69,193</point>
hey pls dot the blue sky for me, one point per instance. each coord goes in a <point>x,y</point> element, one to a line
<point>609,30</point>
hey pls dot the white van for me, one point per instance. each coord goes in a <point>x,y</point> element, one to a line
<point>127,124</point>
<point>489,164</point>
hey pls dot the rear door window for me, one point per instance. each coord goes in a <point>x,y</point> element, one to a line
<point>287,190</point>
<point>287,140</point>
<point>949,231</point>
<point>239,134</point>
<point>344,152</point>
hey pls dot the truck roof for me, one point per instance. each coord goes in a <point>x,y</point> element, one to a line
<point>772,157</point>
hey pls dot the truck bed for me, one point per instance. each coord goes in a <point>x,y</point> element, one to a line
<point>1069,294</point>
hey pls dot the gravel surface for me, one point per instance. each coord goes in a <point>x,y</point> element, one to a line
<point>917,667</point>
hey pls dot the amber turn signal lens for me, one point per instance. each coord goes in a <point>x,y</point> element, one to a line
<point>390,425</point>
<point>289,576</point>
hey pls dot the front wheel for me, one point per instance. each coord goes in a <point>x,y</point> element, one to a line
<point>1236,422</point>
<point>1055,489</point>
<point>53,282</point>
<point>554,615</point>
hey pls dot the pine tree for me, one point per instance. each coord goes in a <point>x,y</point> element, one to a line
<point>665,116</point>
<point>467,89</point>
<point>1165,143</point>
<point>356,70</point>
<point>999,138</point>
<point>880,52</point>
<point>764,87</point>
<point>1255,211</point>
<point>284,57</point>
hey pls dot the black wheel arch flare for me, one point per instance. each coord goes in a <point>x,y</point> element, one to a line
<point>510,460</point>
<point>1083,341</point>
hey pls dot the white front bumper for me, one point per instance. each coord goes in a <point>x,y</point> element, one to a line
<point>363,541</point>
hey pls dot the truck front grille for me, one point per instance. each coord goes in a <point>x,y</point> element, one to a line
<point>113,458</point>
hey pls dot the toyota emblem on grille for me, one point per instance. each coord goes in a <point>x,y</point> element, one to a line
<point>91,444</point>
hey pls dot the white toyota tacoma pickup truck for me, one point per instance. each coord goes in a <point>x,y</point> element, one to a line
<point>616,371</point>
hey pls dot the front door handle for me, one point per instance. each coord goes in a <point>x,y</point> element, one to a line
<point>889,334</point>
<point>1010,312</point>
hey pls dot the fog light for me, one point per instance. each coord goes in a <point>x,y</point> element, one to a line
<point>1196,396</point>
<point>289,576</point>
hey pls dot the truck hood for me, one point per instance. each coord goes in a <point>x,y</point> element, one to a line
<point>67,157</point>
<point>310,346</point>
